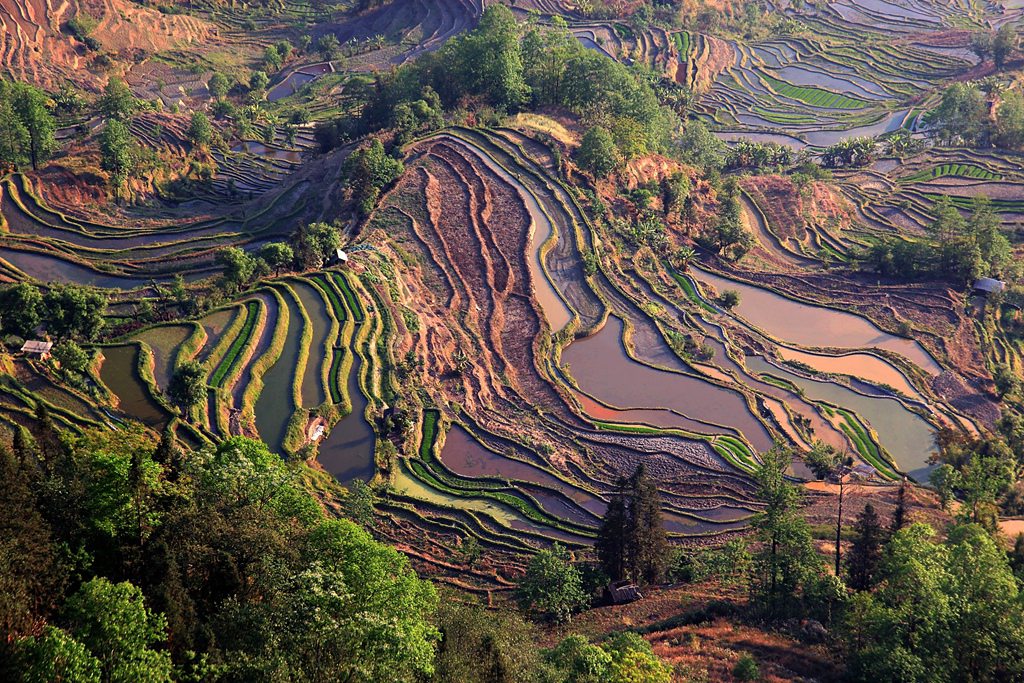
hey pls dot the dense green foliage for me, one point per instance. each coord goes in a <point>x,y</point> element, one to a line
<point>27,126</point>
<point>507,66</point>
<point>942,612</point>
<point>552,585</point>
<point>146,563</point>
<point>956,249</point>
<point>188,385</point>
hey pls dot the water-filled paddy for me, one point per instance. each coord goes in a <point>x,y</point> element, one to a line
<point>164,341</point>
<point>603,369</point>
<point>862,365</point>
<point>313,391</point>
<point>907,436</point>
<point>347,452</point>
<point>811,325</point>
<point>120,373</point>
<point>276,402</point>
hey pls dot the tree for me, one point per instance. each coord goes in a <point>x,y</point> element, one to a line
<point>368,171</point>
<point>187,388</point>
<point>357,612</point>
<point>828,463</point>
<point>200,131</point>
<point>315,244</point>
<point>218,85</point>
<point>477,644</point>
<point>239,267</point>
<point>786,561</point>
<point>911,628</point>
<point>552,585</point>
<point>945,479</point>
<point>700,147</point>
<point>272,59</point>
<point>961,114</point>
<point>1010,120</point>
<point>729,299</point>
<point>1004,44</point>
<point>746,668</point>
<point>727,233</point>
<point>328,46</point>
<point>488,61</point>
<point>648,545</point>
<point>981,44</point>
<point>631,542</point>
<point>74,311</point>
<point>633,659</point>
<point>32,107</point>
<point>70,356</point>
<point>899,513</point>
<point>21,309</point>
<point>112,621</point>
<point>55,656</point>
<point>358,505</point>
<point>866,550</point>
<point>598,154</point>
<point>258,82</point>
<point>28,559</point>
<point>117,101</point>
<point>277,255</point>
<point>612,537</point>
<point>14,136</point>
<point>118,151</point>
<point>580,660</point>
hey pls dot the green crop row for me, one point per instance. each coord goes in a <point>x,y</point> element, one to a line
<point>430,418</point>
<point>816,97</point>
<point>252,310</point>
<point>956,170</point>
<point>682,41</point>
<point>350,298</point>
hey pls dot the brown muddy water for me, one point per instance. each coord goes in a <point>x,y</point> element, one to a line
<point>603,369</point>
<point>812,325</point>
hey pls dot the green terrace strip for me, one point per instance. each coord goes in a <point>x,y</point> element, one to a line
<point>967,203</point>
<point>691,291</point>
<point>434,474</point>
<point>252,310</point>
<point>682,41</point>
<point>816,97</point>
<point>954,170</point>
<point>862,440</point>
<point>353,303</point>
<point>430,419</point>
<point>734,451</point>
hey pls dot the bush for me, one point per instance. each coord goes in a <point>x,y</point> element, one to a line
<point>598,154</point>
<point>746,669</point>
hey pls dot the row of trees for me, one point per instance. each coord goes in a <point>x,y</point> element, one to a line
<point>311,247</point>
<point>963,116</point>
<point>954,249</point>
<point>64,311</point>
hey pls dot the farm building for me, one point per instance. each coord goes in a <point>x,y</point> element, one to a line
<point>988,285</point>
<point>621,592</point>
<point>37,348</point>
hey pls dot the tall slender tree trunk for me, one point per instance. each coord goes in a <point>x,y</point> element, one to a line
<point>839,524</point>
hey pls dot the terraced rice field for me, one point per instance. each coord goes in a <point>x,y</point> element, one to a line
<point>467,357</point>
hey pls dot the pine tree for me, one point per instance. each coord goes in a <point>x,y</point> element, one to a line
<point>899,514</point>
<point>866,550</point>
<point>631,542</point>
<point>611,539</point>
<point>648,542</point>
